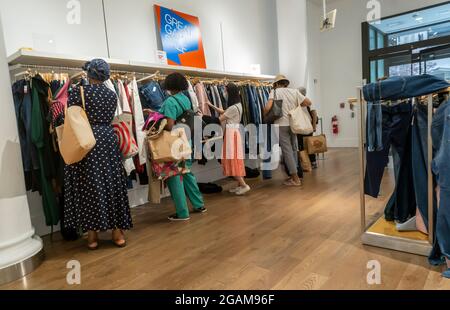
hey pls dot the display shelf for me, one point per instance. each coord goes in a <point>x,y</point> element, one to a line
<point>37,58</point>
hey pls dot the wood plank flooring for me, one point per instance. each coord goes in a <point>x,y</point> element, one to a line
<point>273,238</point>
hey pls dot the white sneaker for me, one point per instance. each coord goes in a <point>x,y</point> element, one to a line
<point>243,190</point>
<point>234,190</point>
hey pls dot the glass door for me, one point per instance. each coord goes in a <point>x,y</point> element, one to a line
<point>398,64</point>
<point>436,61</point>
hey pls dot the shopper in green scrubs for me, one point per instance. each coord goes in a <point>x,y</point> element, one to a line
<point>180,186</point>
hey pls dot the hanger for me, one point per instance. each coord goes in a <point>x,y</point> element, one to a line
<point>26,74</point>
<point>79,74</point>
<point>155,75</point>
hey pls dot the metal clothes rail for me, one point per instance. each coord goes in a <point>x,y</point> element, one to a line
<point>25,57</point>
<point>383,240</point>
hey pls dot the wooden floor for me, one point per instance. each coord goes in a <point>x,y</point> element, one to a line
<point>273,238</point>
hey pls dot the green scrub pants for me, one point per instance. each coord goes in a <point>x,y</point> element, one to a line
<point>182,186</point>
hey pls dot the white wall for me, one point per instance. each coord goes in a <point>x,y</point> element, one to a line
<point>249,31</point>
<point>293,40</point>
<point>42,25</point>
<point>341,59</point>
<point>299,46</point>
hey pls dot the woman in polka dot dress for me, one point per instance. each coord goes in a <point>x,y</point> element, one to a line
<point>96,196</point>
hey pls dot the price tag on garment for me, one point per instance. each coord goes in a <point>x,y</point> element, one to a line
<point>25,89</point>
<point>154,89</point>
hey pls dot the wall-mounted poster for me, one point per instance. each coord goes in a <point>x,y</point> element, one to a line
<point>180,38</point>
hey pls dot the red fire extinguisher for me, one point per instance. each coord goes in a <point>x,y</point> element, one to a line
<point>335,125</point>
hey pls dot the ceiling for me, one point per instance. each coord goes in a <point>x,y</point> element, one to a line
<point>419,18</point>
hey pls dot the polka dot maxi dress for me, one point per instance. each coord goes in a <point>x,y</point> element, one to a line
<point>95,192</point>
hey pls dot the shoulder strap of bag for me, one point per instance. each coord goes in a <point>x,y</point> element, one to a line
<point>179,103</point>
<point>83,100</point>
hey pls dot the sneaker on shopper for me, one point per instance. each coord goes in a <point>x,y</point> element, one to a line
<point>200,210</point>
<point>293,183</point>
<point>175,218</point>
<point>243,190</point>
<point>234,190</point>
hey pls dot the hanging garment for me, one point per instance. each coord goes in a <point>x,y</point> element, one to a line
<point>395,88</point>
<point>139,121</point>
<point>203,100</point>
<point>153,96</point>
<point>154,185</point>
<point>223,97</point>
<point>402,205</point>
<point>211,100</point>
<point>96,196</point>
<point>41,138</point>
<point>216,95</point>
<point>55,85</point>
<point>115,89</point>
<point>123,97</point>
<point>23,108</point>
<point>441,168</point>
<point>396,123</point>
<point>245,106</point>
<point>193,98</point>
<point>125,106</point>
<point>420,159</point>
<point>59,104</point>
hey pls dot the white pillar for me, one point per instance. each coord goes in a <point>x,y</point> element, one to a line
<point>20,250</point>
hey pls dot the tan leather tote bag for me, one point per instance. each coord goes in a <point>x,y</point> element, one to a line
<point>75,137</point>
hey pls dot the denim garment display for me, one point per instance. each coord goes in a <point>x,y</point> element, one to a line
<point>152,95</point>
<point>395,127</point>
<point>403,87</point>
<point>23,105</point>
<point>374,125</point>
<point>441,168</point>
<point>395,88</point>
<point>251,105</point>
<point>420,158</point>
<point>402,204</point>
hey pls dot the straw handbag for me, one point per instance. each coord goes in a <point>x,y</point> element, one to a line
<point>75,137</point>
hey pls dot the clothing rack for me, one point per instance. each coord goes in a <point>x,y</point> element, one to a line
<point>382,240</point>
<point>157,75</point>
<point>49,61</point>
